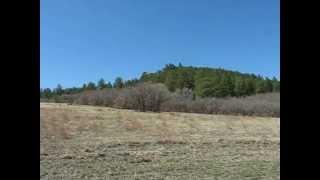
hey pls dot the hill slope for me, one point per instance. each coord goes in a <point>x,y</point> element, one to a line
<point>211,82</point>
<point>99,142</point>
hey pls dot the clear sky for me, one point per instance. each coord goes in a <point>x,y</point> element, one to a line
<point>84,40</point>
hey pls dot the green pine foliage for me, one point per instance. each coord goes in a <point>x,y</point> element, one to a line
<point>91,86</point>
<point>118,83</point>
<point>109,85</point>
<point>201,81</point>
<point>102,84</point>
<point>211,82</point>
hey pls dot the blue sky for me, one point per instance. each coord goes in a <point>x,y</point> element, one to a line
<point>84,40</point>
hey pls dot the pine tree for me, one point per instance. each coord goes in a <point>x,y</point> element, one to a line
<point>268,85</point>
<point>240,87</point>
<point>171,82</point>
<point>118,83</point>
<point>260,86</point>
<point>184,79</point>
<point>131,83</point>
<point>47,93</point>
<point>144,76</point>
<point>84,87</point>
<point>109,85</point>
<point>225,87</point>
<point>169,67</point>
<point>91,86</point>
<point>189,80</point>
<point>250,86</point>
<point>205,87</point>
<point>275,85</point>
<point>58,90</point>
<point>102,84</point>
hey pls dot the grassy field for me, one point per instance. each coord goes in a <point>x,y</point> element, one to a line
<point>87,142</point>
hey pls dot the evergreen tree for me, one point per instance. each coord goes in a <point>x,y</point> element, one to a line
<point>118,83</point>
<point>250,86</point>
<point>169,67</point>
<point>268,85</point>
<point>275,85</point>
<point>206,87</point>
<point>47,93</point>
<point>171,82</point>
<point>188,80</point>
<point>225,87</point>
<point>109,85</point>
<point>240,87</point>
<point>58,90</point>
<point>260,86</point>
<point>144,76</point>
<point>91,86</point>
<point>180,78</point>
<point>102,84</point>
<point>84,87</point>
<point>130,83</point>
<point>184,79</point>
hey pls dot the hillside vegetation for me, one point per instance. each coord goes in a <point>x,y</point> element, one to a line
<point>180,89</point>
<point>202,81</point>
<point>211,82</point>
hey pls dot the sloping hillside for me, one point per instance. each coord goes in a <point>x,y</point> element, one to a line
<point>79,142</point>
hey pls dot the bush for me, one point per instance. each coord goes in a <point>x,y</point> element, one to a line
<point>125,99</point>
<point>108,97</point>
<point>257,105</point>
<point>82,98</point>
<point>177,105</point>
<point>149,97</point>
<point>44,100</point>
<point>157,98</point>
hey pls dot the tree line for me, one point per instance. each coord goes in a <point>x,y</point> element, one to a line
<point>201,81</point>
<point>212,82</point>
<point>101,84</point>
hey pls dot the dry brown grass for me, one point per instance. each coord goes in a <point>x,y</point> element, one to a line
<point>56,125</point>
<point>132,124</point>
<point>166,132</point>
<point>81,140</point>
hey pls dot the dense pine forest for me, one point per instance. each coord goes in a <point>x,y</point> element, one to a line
<point>202,81</point>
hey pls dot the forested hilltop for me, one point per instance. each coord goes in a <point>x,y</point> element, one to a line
<point>202,81</point>
<point>212,82</point>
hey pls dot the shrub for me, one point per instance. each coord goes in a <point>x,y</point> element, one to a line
<point>83,98</point>
<point>108,97</point>
<point>125,99</point>
<point>157,98</point>
<point>149,97</point>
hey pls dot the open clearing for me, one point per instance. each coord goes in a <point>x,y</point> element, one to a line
<point>87,142</point>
